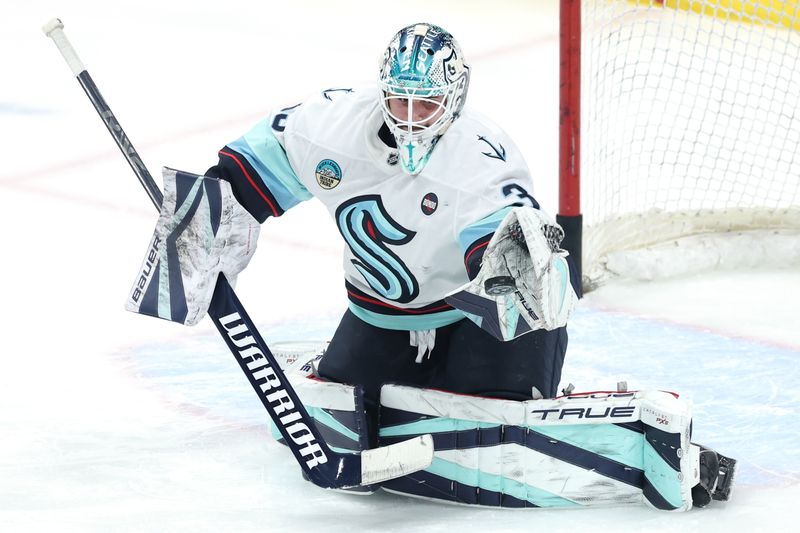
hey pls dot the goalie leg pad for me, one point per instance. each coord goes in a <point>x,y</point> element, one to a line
<point>578,450</point>
<point>337,410</point>
<point>202,232</point>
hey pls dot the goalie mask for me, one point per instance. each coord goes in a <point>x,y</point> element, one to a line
<point>424,83</point>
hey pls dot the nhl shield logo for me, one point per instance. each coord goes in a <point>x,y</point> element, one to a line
<point>429,203</point>
<point>328,174</point>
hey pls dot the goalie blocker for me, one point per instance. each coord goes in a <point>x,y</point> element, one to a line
<point>588,449</point>
<point>202,232</point>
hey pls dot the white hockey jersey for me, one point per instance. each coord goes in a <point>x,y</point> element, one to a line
<point>409,238</point>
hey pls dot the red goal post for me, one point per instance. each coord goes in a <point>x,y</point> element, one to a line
<point>679,122</point>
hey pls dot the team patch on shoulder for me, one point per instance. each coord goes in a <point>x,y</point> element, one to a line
<point>429,203</point>
<point>328,173</point>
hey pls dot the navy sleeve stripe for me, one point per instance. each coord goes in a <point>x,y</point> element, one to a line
<point>273,205</point>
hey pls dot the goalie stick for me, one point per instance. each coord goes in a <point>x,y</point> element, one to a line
<point>323,466</point>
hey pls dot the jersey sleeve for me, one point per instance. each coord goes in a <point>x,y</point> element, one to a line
<point>474,238</point>
<point>500,184</point>
<point>258,168</point>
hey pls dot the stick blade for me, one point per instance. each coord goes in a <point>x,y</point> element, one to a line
<point>397,460</point>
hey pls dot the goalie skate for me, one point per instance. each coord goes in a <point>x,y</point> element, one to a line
<point>717,474</point>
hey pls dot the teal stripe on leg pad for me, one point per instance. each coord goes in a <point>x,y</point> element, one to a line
<point>607,440</point>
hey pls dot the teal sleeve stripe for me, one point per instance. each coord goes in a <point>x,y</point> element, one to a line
<point>481,228</point>
<point>407,322</point>
<point>433,425</point>
<point>266,147</point>
<point>493,482</point>
<point>265,154</point>
<point>662,476</point>
<point>607,440</point>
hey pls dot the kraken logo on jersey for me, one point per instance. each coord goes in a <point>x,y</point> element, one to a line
<point>367,228</point>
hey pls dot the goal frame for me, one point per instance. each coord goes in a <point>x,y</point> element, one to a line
<point>569,195</point>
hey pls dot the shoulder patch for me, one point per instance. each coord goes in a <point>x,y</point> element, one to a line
<point>328,174</point>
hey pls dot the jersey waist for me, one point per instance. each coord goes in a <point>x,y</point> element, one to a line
<point>385,315</point>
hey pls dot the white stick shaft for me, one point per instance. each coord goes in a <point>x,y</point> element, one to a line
<point>55,30</point>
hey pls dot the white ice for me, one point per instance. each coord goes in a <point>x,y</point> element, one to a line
<point>115,422</point>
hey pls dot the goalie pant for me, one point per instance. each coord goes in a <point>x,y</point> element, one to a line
<point>609,448</point>
<point>464,359</point>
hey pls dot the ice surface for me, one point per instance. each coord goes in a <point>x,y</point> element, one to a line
<point>115,422</point>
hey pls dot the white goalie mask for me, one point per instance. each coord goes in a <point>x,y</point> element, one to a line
<point>424,80</point>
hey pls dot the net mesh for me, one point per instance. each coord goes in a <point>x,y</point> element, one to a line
<point>691,122</point>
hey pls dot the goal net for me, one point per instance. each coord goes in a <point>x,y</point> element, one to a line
<point>689,135</point>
